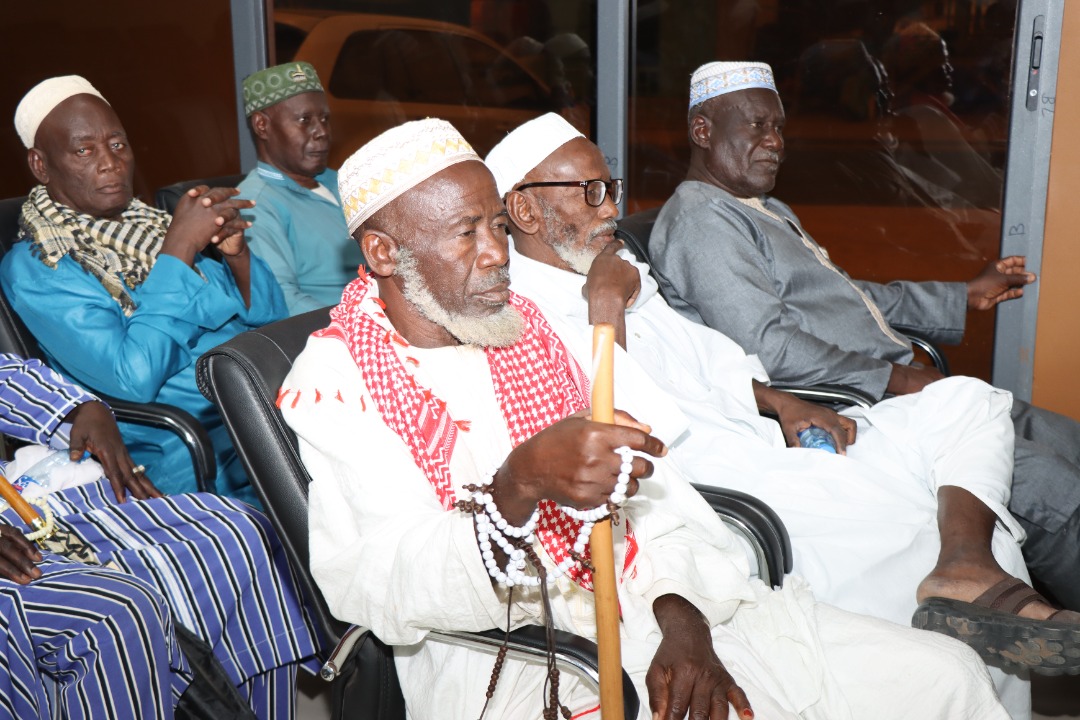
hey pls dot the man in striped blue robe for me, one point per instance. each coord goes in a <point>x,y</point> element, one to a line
<point>86,641</point>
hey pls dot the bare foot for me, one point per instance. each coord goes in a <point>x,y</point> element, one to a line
<point>967,581</point>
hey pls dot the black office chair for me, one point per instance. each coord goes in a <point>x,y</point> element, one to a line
<point>167,197</point>
<point>242,378</point>
<point>634,230</point>
<point>16,338</point>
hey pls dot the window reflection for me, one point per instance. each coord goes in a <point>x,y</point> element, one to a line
<point>168,75</point>
<point>486,66</point>
<point>897,115</point>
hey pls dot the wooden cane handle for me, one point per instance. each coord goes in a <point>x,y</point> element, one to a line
<point>18,503</point>
<point>601,545</point>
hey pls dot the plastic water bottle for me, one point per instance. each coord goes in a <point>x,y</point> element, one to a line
<point>37,479</point>
<point>815,437</point>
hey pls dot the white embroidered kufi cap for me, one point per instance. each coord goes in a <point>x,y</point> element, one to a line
<point>395,161</point>
<point>719,78</point>
<point>43,99</point>
<point>526,147</point>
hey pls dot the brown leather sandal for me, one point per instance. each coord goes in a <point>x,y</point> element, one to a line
<point>992,628</point>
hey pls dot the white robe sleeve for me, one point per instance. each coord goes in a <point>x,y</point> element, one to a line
<point>383,551</point>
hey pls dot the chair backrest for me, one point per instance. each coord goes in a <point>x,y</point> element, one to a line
<point>634,230</point>
<point>242,378</point>
<point>14,336</point>
<point>167,197</point>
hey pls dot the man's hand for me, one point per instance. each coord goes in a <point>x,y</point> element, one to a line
<point>93,428</point>
<point>610,274</point>
<point>203,216</point>
<point>233,246</point>
<point>795,415</point>
<point>17,556</point>
<point>1001,280</point>
<point>611,286</point>
<point>572,462</point>
<point>911,378</point>
<point>686,678</point>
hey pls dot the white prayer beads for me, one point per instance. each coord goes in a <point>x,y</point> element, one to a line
<point>618,495</point>
<point>491,525</point>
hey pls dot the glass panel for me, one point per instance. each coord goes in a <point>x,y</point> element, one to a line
<point>168,75</point>
<point>485,65</point>
<point>897,123</point>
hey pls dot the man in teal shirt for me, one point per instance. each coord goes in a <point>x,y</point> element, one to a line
<point>119,294</point>
<point>298,226</point>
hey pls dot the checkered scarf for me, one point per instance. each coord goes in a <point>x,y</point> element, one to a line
<point>537,383</point>
<point>119,253</point>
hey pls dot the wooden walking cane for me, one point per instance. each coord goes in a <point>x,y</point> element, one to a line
<point>48,536</point>
<point>601,547</point>
<point>18,503</point>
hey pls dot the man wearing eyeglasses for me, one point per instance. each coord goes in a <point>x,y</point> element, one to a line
<point>867,528</point>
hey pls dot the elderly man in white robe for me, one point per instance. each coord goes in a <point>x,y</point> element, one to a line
<point>435,385</point>
<point>864,528</point>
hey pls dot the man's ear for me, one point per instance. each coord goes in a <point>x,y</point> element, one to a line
<point>36,160</point>
<point>380,251</point>
<point>260,121</point>
<point>700,131</point>
<point>523,212</point>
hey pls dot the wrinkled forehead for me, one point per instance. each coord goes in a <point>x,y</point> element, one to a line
<point>578,159</point>
<point>461,191</point>
<point>79,117</point>
<point>752,102</point>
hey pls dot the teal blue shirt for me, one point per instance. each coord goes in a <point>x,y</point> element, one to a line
<point>302,236</point>
<point>149,355</point>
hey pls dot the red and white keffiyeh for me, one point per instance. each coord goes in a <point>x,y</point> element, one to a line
<point>537,383</point>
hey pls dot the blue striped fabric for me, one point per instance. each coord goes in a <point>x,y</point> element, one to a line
<point>105,638</point>
<point>34,399</point>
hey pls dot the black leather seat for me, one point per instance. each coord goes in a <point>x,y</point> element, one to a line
<point>167,197</point>
<point>634,230</point>
<point>16,338</point>
<point>242,378</point>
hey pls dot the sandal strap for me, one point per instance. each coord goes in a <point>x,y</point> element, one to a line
<point>1010,595</point>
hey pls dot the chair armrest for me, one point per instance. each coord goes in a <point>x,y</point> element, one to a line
<point>180,422</point>
<point>928,346</point>
<point>759,524</point>
<point>572,652</point>
<point>828,394</point>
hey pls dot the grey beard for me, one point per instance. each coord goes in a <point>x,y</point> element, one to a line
<point>579,258</point>
<point>501,329</point>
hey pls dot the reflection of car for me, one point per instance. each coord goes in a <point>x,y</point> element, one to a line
<point>379,71</point>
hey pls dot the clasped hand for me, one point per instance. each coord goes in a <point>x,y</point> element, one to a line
<point>206,216</point>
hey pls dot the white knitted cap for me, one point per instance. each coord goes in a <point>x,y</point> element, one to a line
<point>526,147</point>
<point>395,161</point>
<point>43,98</point>
<point>719,78</point>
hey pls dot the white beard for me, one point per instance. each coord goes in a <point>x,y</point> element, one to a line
<point>501,329</point>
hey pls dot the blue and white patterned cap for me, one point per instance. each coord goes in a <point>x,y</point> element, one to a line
<point>719,78</point>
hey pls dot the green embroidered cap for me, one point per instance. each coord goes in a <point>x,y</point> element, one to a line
<point>274,84</point>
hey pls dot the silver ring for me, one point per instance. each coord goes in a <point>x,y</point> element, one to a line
<point>138,470</point>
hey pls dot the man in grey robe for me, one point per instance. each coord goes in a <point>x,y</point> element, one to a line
<point>734,259</point>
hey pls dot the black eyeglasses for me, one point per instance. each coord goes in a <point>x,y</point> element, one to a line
<point>596,191</point>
